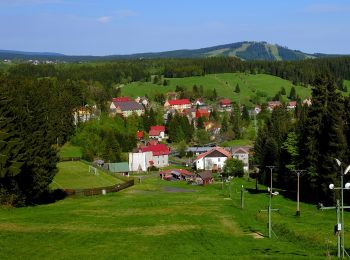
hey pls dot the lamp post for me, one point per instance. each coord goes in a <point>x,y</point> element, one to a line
<point>341,188</point>
<point>298,172</point>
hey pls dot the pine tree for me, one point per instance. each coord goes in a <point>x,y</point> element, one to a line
<point>237,89</point>
<point>292,94</point>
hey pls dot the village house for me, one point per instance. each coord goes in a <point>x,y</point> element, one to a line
<point>157,132</point>
<point>291,105</point>
<point>225,104</point>
<point>140,161</point>
<point>198,102</point>
<point>177,104</point>
<point>83,114</point>
<point>213,160</point>
<point>160,154</point>
<point>142,100</point>
<point>126,108</point>
<point>307,102</point>
<point>255,111</point>
<point>190,113</point>
<point>205,178</point>
<point>176,174</point>
<point>271,105</point>
<point>202,112</point>
<point>241,154</point>
<point>147,156</point>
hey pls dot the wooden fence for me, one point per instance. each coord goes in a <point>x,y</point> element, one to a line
<point>99,191</point>
<point>67,159</point>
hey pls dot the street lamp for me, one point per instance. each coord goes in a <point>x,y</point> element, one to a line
<point>298,172</point>
<point>341,188</point>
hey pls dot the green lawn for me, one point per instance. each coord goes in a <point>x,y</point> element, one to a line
<point>347,84</point>
<point>69,150</point>
<point>250,86</point>
<point>76,175</point>
<point>238,142</point>
<point>159,220</point>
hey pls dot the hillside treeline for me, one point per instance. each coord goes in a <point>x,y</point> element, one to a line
<point>124,71</point>
<point>309,139</point>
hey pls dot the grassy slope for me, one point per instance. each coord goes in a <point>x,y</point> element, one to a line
<point>249,85</point>
<point>69,150</point>
<point>75,175</point>
<point>146,222</point>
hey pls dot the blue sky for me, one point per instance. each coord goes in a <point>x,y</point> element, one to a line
<point>87,27</point>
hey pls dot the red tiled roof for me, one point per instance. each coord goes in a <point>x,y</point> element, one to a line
<point>153,142</point>
<point>158,149</point>
<point>121,99</point>
<point>139,134</point>
<point>202,112</point>
<point>178,102</point>
<point>225,101</point>
<point>154,132</point>
<point>160,128</point>
<point>219,149</point>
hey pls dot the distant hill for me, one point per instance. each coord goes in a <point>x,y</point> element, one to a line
<point>243,50</point>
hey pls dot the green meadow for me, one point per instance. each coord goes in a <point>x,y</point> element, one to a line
<point>250,86</point>
<point>76,175</point>
<point>168,220</point>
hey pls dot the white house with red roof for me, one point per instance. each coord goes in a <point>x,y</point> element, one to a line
<point>147,156</point>
<point>177,104</point>
<point>213,159</point>
<point>157,132</point>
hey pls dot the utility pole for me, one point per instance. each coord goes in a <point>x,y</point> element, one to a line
<point>338,227</point>
<point>242,196</point>
<point>269,208</point>
<point>298,172</point>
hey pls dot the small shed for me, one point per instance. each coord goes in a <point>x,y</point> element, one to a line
<point>122,167</point>
<point>206,177</point>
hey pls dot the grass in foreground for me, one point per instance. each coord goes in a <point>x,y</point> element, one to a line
<point>76,175</point>
<point>171,220</point>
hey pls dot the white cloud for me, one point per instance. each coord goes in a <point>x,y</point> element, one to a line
<point>104,19</point>
<point>326,8</point>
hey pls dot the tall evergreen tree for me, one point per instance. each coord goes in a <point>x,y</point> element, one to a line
<point>323,138</point>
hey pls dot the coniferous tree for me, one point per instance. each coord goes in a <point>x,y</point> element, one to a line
<point>237,89</point>
<point>292,94</point>
<point>323,138</point>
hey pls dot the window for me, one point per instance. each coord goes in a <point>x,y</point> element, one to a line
<point>219,159</point>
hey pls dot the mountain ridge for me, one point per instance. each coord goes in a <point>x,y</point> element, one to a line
<point>245,50</point>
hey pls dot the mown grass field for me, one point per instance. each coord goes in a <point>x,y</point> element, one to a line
<point>166,220</point>
<point>76,175</point>
<point>224,83</point>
